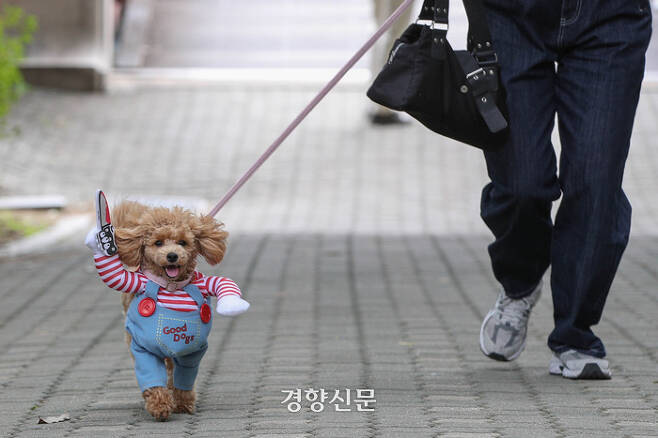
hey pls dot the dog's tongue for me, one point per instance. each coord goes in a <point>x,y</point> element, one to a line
<point>172,272</point>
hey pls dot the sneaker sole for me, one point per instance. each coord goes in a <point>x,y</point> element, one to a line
<point>554,368</point>
<point>591,371</point>
<point>496,356</point>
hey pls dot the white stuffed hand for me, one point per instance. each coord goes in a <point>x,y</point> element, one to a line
<point>92,241</point>
<point>101,241</point>
<point>231,305</point>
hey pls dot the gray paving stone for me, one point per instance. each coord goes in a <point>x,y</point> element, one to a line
<point>365,264</point>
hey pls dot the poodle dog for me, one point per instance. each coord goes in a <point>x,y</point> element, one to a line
<point>165,299</point>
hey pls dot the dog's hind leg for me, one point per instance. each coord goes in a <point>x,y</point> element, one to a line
<point>170,372</point>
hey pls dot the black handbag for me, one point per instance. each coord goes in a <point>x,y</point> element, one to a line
<point>454,93</point>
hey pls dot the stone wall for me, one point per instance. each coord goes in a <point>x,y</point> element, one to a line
<point>73,47</point>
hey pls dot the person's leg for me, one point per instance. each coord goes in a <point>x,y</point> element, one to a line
<point>516,205</point>
<point>598,85</point>
<point>403,22</point>
<point>382,10</point>
<point>379,54</point>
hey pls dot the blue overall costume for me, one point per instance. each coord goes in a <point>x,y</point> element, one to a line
<point>158,332</point>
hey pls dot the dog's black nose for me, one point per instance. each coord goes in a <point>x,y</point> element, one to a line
<point>172,257</point>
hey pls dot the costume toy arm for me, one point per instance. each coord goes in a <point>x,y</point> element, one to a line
<point>229,297</point>
<point>116,277</point>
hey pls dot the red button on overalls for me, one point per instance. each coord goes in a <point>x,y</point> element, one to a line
<point>205,313</point>
<point>146,307</point>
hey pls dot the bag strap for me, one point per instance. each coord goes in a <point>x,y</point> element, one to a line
<point>435,14</point>
<point>483,86</point>
<point>479,38</point>
<point>434,10</point>
<point>480,65</point>
<point>478,28</point>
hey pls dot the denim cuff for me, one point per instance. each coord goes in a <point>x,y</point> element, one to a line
<point>523,293</point>
<point>562,348</point>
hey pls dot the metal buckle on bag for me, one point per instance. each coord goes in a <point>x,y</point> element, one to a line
<point>432,24</point>
<point>475,74</point>
<point>481,57</point>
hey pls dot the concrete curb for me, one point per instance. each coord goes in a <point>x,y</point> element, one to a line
<point>70,225</point>
<point>126,79</point>
<point>66,227</point>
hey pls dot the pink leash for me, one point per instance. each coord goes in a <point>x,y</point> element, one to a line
<point>302,115</point>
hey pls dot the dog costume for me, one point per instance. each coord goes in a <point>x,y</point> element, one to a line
<point>166,319</point>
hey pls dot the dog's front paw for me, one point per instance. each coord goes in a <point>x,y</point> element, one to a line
<point>232,305</point>
<point>159,402</point>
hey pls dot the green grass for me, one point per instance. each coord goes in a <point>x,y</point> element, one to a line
<point>16,31</point>
<point>13,226</point>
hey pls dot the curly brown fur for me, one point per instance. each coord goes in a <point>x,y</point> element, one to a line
<point>145,237</point>
<point>139,227</point>
<point>159,402</point>
<point>185,401</point>
<point>169,364</point>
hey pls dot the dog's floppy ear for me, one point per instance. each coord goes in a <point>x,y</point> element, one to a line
<point>130,242</point>
<point>210,239</point>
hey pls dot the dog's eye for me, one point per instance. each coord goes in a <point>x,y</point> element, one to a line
<point>182,242</point>
<point>158,243</point>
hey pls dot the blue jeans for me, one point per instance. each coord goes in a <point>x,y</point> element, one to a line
<point>584,61</point>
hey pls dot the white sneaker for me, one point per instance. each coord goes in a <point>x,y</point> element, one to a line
<point>575,365</point>
<point>504,329</point>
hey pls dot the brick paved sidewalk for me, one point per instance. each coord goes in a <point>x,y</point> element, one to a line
<point>360,250</point>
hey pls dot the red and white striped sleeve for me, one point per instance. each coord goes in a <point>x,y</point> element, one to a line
<point>115,276</point>
<point>218,286</point>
